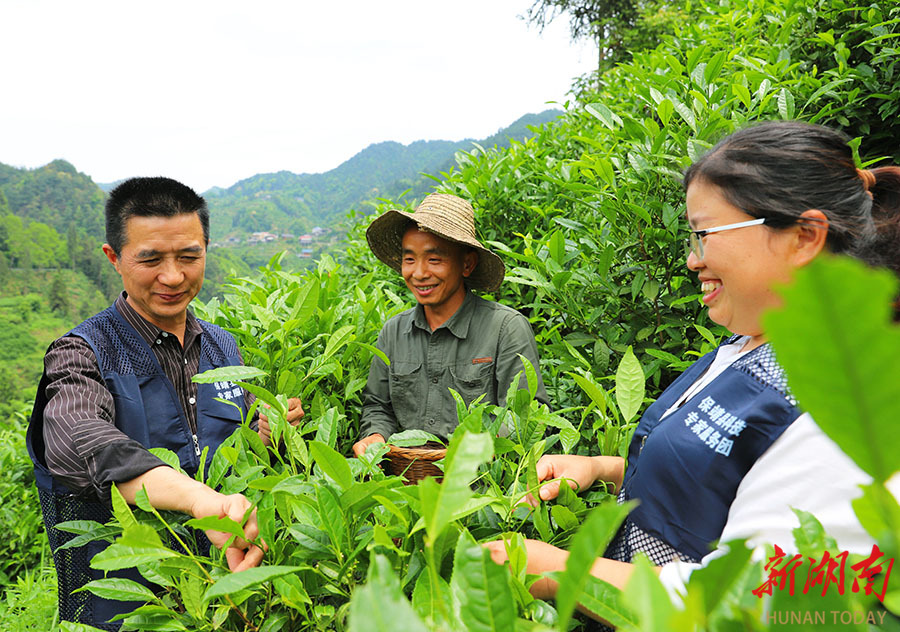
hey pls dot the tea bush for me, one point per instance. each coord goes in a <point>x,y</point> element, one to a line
<point>23,542</point>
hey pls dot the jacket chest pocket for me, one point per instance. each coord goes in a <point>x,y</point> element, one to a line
<point>406,390</point>
<point>473,380</point>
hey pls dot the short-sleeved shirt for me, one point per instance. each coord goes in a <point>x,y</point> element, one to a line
<point>475,352</point>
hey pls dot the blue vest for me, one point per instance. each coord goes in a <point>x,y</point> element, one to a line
<point>685,469</point>
<point>148,410</point>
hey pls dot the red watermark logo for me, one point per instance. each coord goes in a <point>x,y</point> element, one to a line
<point>827,571</point>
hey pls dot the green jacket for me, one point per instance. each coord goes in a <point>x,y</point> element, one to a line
<point>474,352</point>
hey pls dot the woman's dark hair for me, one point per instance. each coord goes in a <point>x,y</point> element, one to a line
<point>150,197</point>
<point>780,169</point>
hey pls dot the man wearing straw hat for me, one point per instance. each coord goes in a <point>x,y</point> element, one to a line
<point>452,338</point>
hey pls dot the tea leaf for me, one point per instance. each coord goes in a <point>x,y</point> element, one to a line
<point>714,67</point>
<point>720,576</point>
<point>426,597</point>
<point>440,501</point>
<point>606,116</point>
<point>229,374</point>
<point>100,532</point>
<point>842,355</point>
<point>117,556</point>
<point>331,515</point>
<point>250,578</point>
<point>291,590</point>
<point>380,605</point>
<point>530,375</point>
<point>481,588</point>
<point>374,350</point>
<point>786,104</point>
<point>337,340</point>
<point>646,597</point>
<point>629,386</point>
<point>121,510</point>
<point>216,523</point>
<point>68,626</point>
<point>590,541</point>
<point>168,457</point>
<point>557,246</point>
<point>79,526</point>
<point>331,463</point>
<point>328,427</point>
<point>141,535</point>
<point>307,302</point>
<point>877,510</point>
<point>605,600</point>
<point>412,438</point>
<point>564,517</point>
<point>810,537</point>
<point>598,397</point>
<point>119,589</point>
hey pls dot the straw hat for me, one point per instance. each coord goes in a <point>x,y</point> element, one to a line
<point>446,216</point>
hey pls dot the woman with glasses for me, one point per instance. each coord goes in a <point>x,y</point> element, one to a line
<point>725,453</point>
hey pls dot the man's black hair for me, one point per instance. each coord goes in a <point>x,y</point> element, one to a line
<point>150,197</point>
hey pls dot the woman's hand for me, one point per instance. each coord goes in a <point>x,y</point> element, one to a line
<point>542,558</point>
<point>579,471</point>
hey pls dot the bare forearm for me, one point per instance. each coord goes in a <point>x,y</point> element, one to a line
<point>611,571</point>
<point>166,489</point>
<point>610,469</point>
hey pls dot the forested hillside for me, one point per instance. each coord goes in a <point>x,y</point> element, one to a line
<point>286,202</point>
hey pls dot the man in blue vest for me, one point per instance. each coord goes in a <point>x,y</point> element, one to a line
<point>120,383</point>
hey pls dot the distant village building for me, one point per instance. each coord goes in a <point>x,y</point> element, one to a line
<point>306,240</point>
<point>318,230</point>
<point>262,236</point>
<point>306,253</point>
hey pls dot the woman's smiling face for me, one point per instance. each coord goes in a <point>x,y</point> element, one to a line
<point>740,267</point>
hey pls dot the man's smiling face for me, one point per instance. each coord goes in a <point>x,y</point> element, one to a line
<point>435,269</point>
<point>162,264</point>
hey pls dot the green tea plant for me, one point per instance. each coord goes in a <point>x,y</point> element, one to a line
<point>24,542</point>
<point>330,522</point>
<point>312,334</point>
<point>29,600</point>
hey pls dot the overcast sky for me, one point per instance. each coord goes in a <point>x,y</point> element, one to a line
<point>210,92</point>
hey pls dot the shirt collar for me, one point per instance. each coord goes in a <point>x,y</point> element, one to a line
<point>150,332</point>
<point>458,324</point>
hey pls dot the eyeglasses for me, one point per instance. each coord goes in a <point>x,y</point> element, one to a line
<point>696,243</point>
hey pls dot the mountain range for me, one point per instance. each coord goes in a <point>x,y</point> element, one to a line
<point>52,216</point>
<point>286,202</point>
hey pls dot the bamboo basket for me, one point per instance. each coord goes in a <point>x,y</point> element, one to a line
<point>415,463</point>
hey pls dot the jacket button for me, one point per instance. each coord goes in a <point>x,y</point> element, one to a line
<point>192,400</point>
<point>434,380</point>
